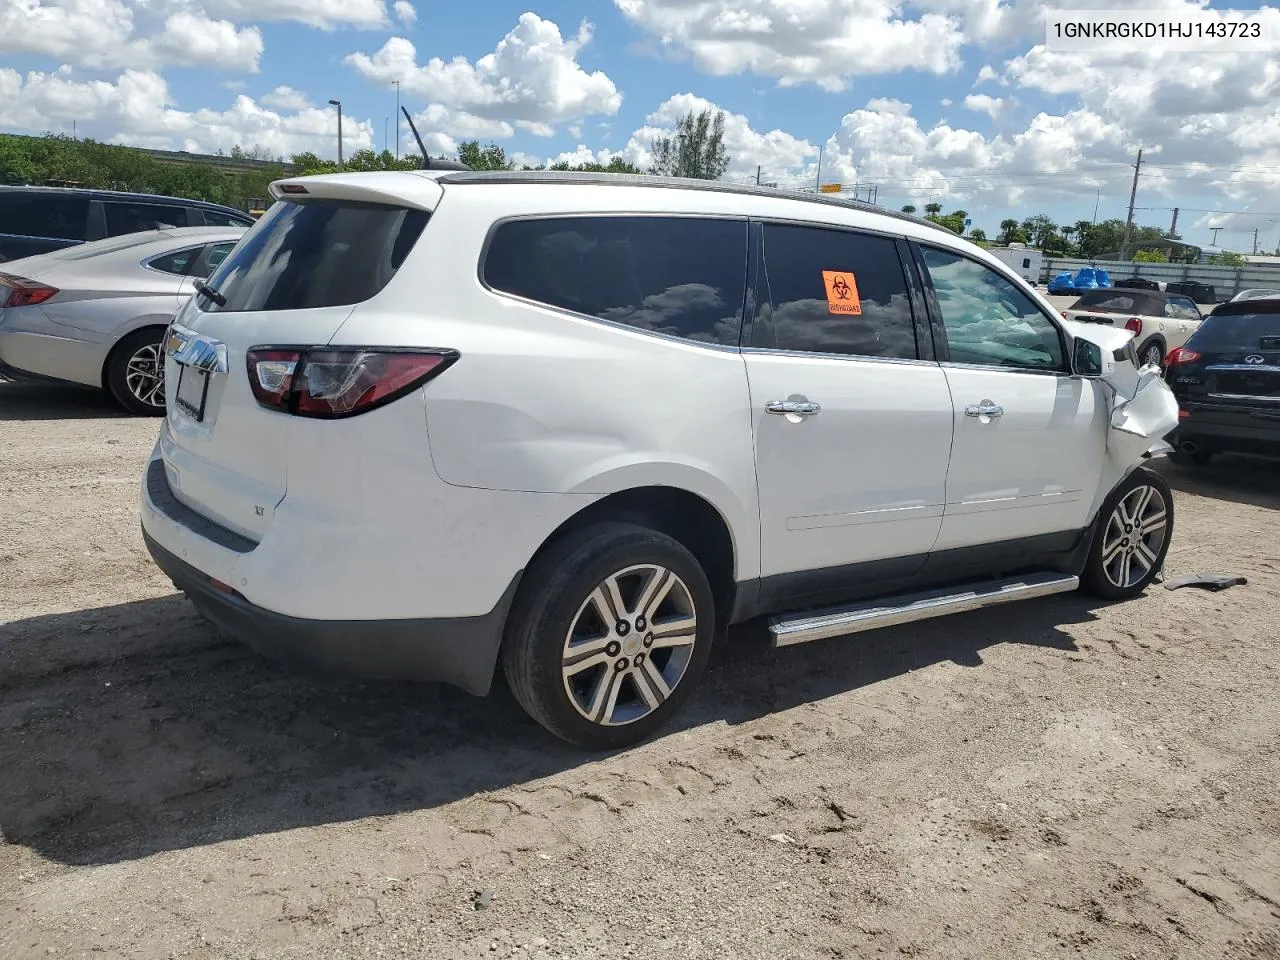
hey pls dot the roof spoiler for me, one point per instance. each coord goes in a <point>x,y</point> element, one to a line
<point>428,163</point>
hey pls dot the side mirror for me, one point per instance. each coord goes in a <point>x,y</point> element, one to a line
<point>1089,361</point>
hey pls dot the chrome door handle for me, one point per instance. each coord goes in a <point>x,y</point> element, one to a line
<point>986,408</point>
<point>798,408</point>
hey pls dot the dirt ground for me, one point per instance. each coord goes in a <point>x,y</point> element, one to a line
<point>1052,779</point>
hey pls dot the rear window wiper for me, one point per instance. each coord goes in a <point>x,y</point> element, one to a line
<point>207,291</point>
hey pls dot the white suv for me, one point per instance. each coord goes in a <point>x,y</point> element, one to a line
<point>423,422</point>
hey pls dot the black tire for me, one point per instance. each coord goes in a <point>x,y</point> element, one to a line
<point>136,346</point>
<point>1102,578</point>
<point>555,594</point>
<point>1153,346</point>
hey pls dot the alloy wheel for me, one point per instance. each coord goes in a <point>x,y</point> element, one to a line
<point>144,374</point>
<point>629,645</point>
<point>1154,355</point>
<point>1134,536</point>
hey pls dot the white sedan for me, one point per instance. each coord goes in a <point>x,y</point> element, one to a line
<point>95,314</point>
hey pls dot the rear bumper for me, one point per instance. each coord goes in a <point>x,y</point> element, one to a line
<point>461,651</point>
<point>1213,427</point>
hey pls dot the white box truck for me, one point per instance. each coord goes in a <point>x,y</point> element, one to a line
<point>1026,261</point>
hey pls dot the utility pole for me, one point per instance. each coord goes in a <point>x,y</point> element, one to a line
<point>1255,241</point>
<point>1173,227</point>
<point>1133,196</point>
<point>1214,241</point>
<point>397,83</point>
<point>1097,200</point>
<point>338,104</point>
<point>757,175</point>
<point>817,180</point>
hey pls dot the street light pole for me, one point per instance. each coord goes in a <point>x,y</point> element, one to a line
<point>397,83</point>
<point>338,104</point>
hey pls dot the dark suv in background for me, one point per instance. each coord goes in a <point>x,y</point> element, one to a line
<point>35,220</point>
<point>1227,381</point>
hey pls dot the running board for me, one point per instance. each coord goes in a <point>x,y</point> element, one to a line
<point>907,608</point>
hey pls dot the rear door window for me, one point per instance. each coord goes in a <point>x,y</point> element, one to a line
<point>48,215</point>
<point>834,291</point>
<point>680,276</point>
<point>318,253</point>
<point>123,217</point>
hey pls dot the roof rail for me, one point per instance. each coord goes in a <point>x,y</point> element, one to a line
<point>427,162</point>
<point>672,183</point>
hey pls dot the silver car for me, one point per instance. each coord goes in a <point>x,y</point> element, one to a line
<point>96,313</point>
<point>1255,294</point>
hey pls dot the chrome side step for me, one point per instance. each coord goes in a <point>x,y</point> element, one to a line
<point>907,608</point>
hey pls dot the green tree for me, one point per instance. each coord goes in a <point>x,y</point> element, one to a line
<point>492,157</point>
<point>978,235</point>
<point>953,221</point>
<point>1010,232</point>
<point>1228,259</point>
<point>615,165</point>
<point>932,209</point>
<point>908,208</point>
<point>1151,256</point>
<point>1039,229</point>
<point>696,149</point>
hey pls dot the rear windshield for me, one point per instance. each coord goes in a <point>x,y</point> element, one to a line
<point>317,253</point>
<point>1245,331</point>
<point>1112,301</point>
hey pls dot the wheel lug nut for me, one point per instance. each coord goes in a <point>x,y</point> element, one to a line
<point>648,640</point>
<point>640,624</point>
<point>613,649</point>
<point>622,628</point>
<point>622,664</point>
<point>639,659</point>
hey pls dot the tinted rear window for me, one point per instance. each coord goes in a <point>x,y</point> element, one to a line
<point>680,276</point>
<point>50,215</point>
<point>1112,301</point>
<point>320,253</point>
<point>1240,332</point>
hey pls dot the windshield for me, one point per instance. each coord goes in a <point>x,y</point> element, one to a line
<point>317,253</point>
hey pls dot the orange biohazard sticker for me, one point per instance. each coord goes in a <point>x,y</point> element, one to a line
<point>842,293</point>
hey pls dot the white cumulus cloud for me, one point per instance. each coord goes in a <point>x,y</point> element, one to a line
<point>826,42</point>
<point>531,79</point>
<point>137,108</point>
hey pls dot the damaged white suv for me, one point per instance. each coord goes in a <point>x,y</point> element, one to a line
<point>423,423</point>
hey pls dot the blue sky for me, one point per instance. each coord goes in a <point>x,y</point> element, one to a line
<point>949,100</point>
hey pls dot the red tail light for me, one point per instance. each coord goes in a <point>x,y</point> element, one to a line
<point>21,292</point>
<point>1134,325</point>
<point>1180,355</point>
<point>332,382</point>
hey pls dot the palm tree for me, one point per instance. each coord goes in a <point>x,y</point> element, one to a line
<point>908,208</point>
<point>1008,231</point>
<point>932,209</point>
